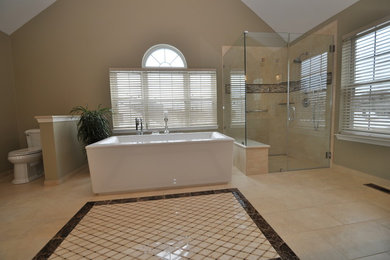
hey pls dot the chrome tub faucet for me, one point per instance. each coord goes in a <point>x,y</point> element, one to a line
<point>166,131</point>
<point>139,126</point>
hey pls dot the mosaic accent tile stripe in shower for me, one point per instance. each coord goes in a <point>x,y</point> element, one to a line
<point>218,224</point>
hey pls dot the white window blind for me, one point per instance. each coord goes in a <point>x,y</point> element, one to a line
<point>314,72</point>
<point>365,83</point>
<point>237,95</point>
<point>189,96</point>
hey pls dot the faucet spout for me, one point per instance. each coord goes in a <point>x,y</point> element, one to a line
<point>166,131</point>
<point>139,126</point>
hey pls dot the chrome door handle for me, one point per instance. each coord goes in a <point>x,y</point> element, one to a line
<point>291,113</point>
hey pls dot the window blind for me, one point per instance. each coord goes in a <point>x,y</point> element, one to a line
<point>237,98</point>
<point>314,73</point>
<point>237,94</point>
<point>189,97</point>
<point>365,82</point>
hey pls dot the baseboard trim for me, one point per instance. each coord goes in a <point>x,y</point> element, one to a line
<point>338,167</point>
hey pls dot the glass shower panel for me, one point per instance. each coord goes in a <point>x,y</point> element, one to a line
<point>277,91</point>
<point>310,65</point>
<point>266,107</point>
<point>234,91</point>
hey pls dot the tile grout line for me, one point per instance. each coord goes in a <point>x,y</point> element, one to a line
<point>272,237</point>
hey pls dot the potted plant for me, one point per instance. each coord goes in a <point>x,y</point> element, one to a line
<point>94,125</point>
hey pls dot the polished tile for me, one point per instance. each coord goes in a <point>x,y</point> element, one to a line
<point>353,212</point>
<point>359,239</point>
<point>310,245</point>
<point>356,225</point>
<point>301,220</point>
<point>198,225</point>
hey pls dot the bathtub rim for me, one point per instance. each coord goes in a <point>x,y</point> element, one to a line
<point>98,144</point>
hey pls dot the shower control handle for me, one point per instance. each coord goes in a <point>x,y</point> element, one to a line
<point>291,113</point>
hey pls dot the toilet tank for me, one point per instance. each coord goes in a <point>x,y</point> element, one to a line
<point>33,137</point>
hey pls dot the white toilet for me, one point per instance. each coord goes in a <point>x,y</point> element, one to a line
<point>28,164</point>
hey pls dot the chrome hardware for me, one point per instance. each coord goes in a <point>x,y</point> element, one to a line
<point>166,131</point>
<point>305,102</point>
<point>139,126</point>
<point>291,113</point>
<point>332,48</point>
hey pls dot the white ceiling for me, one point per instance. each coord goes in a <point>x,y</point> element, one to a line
<point>15,13</point>
<point>296,16</point>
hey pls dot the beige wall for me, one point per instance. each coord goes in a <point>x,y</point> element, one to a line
<point>63,155</point>
<point>371,159</point>
<point>62,56</point>
<point>8,129</point>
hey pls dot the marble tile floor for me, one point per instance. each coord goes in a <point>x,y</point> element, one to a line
<point>320,214</point>
<point>215,224</point>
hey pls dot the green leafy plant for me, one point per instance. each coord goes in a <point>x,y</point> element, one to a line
<point>94,125</point>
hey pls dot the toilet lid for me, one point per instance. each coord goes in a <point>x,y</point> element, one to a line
<point>25,151</point>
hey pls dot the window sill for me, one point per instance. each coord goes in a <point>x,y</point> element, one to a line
<point>367,139</point>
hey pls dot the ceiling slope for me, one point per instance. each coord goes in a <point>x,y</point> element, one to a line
<point>15,13</point>
<point>296,16</point>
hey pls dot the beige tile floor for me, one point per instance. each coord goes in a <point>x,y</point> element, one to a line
<point>321,214</point>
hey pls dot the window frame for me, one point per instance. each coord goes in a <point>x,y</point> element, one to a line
<point>199,89</point>
<point>142,71</point>
<point>347,133</point>
<point>156,47</point>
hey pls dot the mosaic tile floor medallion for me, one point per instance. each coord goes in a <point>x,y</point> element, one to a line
<point>218,224</point>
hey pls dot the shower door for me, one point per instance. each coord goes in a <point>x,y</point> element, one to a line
<point>266,92</point>
<point>277,91</point>
<point>233,74</point>
<point>309,102</point>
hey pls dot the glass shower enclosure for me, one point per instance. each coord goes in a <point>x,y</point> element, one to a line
<point>278,91</point>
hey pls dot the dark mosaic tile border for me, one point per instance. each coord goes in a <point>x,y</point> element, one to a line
<point>275,88</point>
<point>377,187</point>
<point>276,241</point>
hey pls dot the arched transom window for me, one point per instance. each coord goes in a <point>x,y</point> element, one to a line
<point>164,86</point>
<point>163,55</point>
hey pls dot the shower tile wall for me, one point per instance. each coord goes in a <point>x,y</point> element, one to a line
<point>266,70</point>
<point>268,127</point>
<point>266,65</point>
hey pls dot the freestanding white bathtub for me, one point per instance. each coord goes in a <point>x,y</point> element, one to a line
<point>139,162</point>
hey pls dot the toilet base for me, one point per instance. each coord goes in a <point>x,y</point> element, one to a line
<point>27,172</point>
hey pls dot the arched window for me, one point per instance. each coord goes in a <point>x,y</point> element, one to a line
<point>163,55</point>
<point>164,85</point>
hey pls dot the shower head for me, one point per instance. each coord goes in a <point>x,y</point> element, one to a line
<point>299,58</point>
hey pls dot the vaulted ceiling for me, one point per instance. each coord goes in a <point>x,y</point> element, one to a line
<point>15,13</point>
<point>297,16</point>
